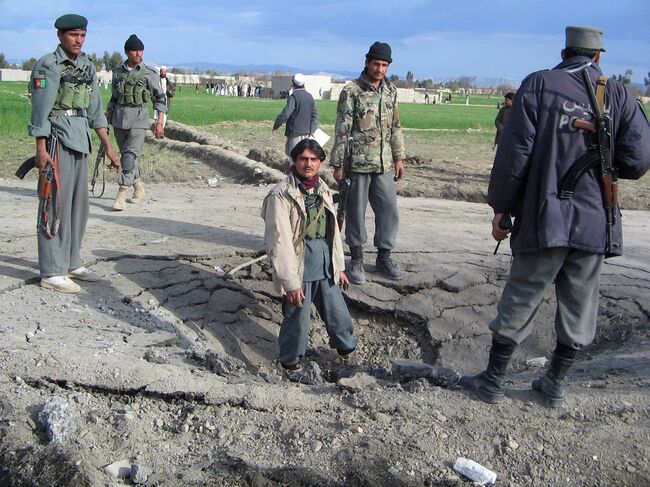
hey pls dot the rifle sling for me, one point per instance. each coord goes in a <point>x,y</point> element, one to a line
<point>310,227</point>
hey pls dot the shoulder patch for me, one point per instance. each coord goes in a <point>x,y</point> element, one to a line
<point>39,80</point>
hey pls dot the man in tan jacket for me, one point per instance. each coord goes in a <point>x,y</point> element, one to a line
<point>304,246</point>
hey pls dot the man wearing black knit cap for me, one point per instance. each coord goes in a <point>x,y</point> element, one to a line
<point>134,83</point>
<point>369,150</point>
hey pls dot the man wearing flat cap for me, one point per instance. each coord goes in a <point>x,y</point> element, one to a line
<point>299,113</point>
<point>134,84</point>
<point>555,173</point>
<point>66,104</point>
<point>369,150</point>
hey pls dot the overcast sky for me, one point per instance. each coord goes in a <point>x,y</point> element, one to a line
<point>434,39</point>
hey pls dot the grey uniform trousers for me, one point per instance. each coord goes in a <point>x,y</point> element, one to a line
<point>577,283</point>
<point>380,191</point>
<point>294,332</point>
<point>129,140</point>
<point>58,255</point>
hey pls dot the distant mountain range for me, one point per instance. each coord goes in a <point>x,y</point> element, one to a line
<point>479,82</point>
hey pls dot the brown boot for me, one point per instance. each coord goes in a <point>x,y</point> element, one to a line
<point>138,191</point>
<point>120,201</point>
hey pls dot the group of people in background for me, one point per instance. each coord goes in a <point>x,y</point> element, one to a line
<point>557,239</point>
<point>245,90</point>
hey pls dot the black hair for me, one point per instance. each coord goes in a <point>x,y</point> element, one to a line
<point>580,51</point>
<point>307,144</point>
<point>509,96</point>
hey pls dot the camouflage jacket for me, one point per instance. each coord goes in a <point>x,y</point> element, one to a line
<point>370,117</point>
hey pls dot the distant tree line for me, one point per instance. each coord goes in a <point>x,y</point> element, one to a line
<point>110,61</point>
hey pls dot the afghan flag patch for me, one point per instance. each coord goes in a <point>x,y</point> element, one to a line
<point>39,80</point>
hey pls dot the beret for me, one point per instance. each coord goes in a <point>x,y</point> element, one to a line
<point>71,22</point>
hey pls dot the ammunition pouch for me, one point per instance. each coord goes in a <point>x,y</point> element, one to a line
<point>75,88</point>
<point>132,90</point>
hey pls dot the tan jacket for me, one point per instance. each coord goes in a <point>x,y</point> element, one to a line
<point>285,218</point>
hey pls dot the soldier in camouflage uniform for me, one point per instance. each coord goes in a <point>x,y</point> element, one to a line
<point>134,84</point>
<point>65,99</point>
<point>368,141</point>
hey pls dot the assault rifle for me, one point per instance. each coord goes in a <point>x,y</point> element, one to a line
<point>48,190</point>
<point>99,163</point>
<point>344,185</point>
<point>605,151</point>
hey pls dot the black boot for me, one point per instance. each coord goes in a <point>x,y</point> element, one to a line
<point>551,386</point>
<point>386,266</point>
<point>488,385</point>
<point>356,273</point>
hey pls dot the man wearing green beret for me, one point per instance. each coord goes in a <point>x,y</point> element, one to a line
<point>134,84</point>
<point>66,103</point>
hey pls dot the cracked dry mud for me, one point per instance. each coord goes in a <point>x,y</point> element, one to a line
<point>167,365</point>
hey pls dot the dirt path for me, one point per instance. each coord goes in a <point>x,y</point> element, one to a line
<point>168,367</point>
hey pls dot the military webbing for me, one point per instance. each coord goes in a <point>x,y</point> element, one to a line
<point>318,230</point>
<point>75,88</point>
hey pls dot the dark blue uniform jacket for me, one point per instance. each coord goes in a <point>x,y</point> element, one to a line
<point>539,145</point>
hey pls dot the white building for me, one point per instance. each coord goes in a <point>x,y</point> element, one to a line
<point>316,85</point>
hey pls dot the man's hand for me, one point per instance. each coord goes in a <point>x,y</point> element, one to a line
<point>296,297</point>
<point>158,130</point>
<point>115,161</point>
<point>497,232</point>
<point>344,282</point>
<point>42,155</point>
<point>399,170</point>
<point>339,174</point>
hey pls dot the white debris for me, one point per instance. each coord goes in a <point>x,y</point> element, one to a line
<point>474,471</point>
<point>120,469</point>
<point>213,182</point>
<point>58,419</point>
<point>536,362</point>
<point>160,240</point>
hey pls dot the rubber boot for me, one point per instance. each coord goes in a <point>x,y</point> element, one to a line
<point>356,273</point>
<point>551,386</point>
<point>138,191</point>
<point>386,266</point>
<point>120,200</point>
<point>488,385</point>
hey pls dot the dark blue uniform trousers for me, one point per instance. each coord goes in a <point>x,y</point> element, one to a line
<point>328,299</point>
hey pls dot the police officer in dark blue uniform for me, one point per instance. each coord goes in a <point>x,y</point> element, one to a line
<point>560,237</point>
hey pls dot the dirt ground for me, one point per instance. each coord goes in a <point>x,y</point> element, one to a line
<point>165,370</point>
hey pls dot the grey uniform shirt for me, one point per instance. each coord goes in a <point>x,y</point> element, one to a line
<point>136,117</point>
<point>73,132</point>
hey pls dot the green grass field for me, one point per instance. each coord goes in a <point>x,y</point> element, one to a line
<point>200,108</point>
